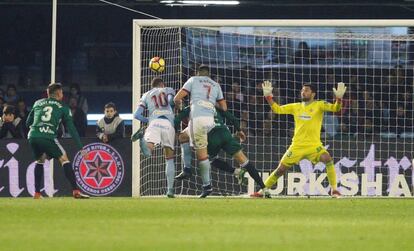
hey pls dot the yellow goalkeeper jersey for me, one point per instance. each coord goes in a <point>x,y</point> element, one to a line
<point>308,119</point>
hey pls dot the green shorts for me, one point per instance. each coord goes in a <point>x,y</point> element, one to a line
<point>50,147</point>
<point>221,138</point>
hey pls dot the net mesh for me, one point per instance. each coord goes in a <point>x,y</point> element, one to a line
<point>371,135</point>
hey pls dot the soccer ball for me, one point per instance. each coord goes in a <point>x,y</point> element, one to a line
<point>157,64</point>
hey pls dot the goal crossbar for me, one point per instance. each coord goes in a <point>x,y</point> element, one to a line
<point>277,22</point>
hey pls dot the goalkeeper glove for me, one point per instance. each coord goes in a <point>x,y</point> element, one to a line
<point>267,89</point>
<point>340,91</point>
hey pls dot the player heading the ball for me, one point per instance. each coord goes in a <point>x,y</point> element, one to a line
<point>204,94</point>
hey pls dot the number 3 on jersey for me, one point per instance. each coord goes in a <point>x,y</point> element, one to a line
<point>47,113</point>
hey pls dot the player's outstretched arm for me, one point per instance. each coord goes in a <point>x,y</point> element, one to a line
<point>222,105</point>
<point>276,108</point>
<point>340,91</point>
<point>71,127</point>
<point>339,94</point>
<point>138,114</point>
<point>268,92</point>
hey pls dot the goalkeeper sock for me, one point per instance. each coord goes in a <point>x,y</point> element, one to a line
<point>186,154</point>
<point>271,180</point>
<point>38,173</point>
<point>169,173</point>
<point>222,165</point>
<point>253,173</point>
<point>70,175</point>
<point>205,167</point>
<point>330,171</point>
<point>144,148</point>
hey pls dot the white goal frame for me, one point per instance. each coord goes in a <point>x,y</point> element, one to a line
<point>136,64</point>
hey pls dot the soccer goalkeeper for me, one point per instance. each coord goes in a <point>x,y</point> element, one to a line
<point>306,143</point>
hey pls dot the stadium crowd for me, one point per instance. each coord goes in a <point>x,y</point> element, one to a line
<point>376,104</point>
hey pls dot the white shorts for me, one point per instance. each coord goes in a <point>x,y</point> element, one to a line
<point>160,132</point>
<point>199,128</point>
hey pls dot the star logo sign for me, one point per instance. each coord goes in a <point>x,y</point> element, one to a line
<point>102,173</point>
<point>98,169</point>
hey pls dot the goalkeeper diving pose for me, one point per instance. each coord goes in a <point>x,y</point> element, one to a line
<point>159,102</point>
<point>219,138</point>
<point>306,143</point>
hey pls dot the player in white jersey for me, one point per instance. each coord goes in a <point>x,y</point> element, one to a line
<point>204,94</point>
<point>160,131</point>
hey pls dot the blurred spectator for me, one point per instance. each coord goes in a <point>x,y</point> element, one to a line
<point>267,128</point>
<point>22,112</point>
<point>75,92</point>
<point>399,122</point>
<point>393,84</point>
<point>1,93</point>
<point>235,98</point>
<point>371,113</point>
<point>255,113</point>
<point>302,54</point>
<point>244,126</point>
<point>10,125</point>
<point>111,126</point>
<point>330,125</point>
<point>79,117</point>
<point>11,96</point>
<point>368,126</point>
<point>407,100</point>
<point>2,102</point>
<point>351,121</point>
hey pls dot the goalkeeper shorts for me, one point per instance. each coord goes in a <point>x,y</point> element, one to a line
<point>297,153</point>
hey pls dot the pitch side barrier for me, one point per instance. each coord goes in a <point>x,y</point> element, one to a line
<point>364,168</point>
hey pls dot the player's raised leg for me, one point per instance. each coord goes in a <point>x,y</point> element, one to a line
<point>186,153</point>
<point>272,179</point>
<point>139,135</point>
<point>226,167</point>
<point>245,163</point>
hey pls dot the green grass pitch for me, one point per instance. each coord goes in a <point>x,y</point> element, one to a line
<point>209,224</point>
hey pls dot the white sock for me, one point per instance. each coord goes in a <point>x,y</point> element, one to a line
<point>186,154</point>
<point>205,167</point>
<point>169,173</point>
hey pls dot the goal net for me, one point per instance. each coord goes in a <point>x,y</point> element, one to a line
<point>370,139</point>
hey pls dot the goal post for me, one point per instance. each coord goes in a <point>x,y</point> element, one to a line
<point>371,140</point>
